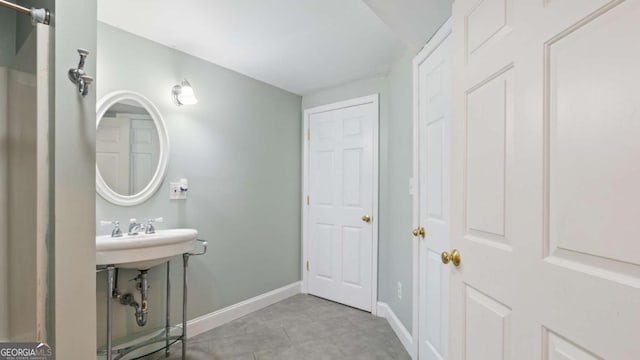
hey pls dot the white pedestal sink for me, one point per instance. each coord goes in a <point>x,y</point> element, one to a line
<point>143,251</point>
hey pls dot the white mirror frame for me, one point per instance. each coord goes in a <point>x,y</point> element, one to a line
<point>101,186</point>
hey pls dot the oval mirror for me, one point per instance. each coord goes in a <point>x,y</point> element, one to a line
<point>132,148</point>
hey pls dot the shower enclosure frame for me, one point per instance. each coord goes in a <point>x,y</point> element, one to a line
<point>42,15</point>
<point>27,286</point>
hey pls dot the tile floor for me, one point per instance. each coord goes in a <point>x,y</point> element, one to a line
<point>302,327</point>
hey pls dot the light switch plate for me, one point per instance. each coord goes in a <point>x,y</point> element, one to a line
<point>175,193</point>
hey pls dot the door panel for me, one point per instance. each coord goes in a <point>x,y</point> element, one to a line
<point>435,160</point>
<point>145,152</point>
<point>323,250</point>
<point>484,21</point>
<point>489,121</point>
<point>558,348</point>
<point>112,152</point>
<point>488,116</point>
<point>436,299</point>
<point>432,69</point>
<point>545,146</point>
<point>487,327</point>
<point>323,175</point>
<point>352,171</point>
<point>487,22</point>
<point>599,154</point>
<point>352,244</point>
<point>340,194</point>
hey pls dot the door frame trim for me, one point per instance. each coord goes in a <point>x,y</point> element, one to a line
<point>438,38</point>
<point>370,99</point>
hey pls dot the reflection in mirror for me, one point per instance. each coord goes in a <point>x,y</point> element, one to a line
<point>132,148</point>
<point>127,147</point>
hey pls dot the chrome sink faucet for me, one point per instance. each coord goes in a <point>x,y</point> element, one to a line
<point>115,232</point>
<point>134,227</point>
<point>150,228</point>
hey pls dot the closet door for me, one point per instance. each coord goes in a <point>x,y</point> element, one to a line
<point>545,195</point>
<point>432,74</point>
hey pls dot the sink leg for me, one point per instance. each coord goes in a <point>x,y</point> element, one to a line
<point>167,324</point>
<point>110,289</point>
<point>185,263</point>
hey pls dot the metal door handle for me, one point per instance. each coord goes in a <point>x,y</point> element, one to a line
<point>366,218</point>
<point>454,257</point>
<point>419,232</point>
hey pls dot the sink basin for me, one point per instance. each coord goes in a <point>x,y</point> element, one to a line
<point>143,251</point>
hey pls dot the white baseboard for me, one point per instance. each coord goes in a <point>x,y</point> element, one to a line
<point>212,320</point>
<point>403,334</point>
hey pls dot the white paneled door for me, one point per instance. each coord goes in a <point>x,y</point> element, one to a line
<point>340,214</point>
<point>545,180</point>
<point>432,76</point>
<point>112,152</point>
<point>145,153</point>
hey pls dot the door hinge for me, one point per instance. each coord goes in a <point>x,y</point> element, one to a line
<point>308,201</point>
<point>308,134</point>
<point>307,265</point>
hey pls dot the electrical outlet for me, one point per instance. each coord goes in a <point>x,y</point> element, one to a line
<point>399,290</point>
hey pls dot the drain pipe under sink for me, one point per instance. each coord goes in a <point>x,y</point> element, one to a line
<point>142,311</point>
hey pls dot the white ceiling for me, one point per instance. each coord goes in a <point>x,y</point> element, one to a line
<point>414,21</point>
<point>297,45</point>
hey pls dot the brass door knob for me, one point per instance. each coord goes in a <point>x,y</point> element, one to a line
<point>366,218</point>
<point>419,232</point>
<point>454,257</point>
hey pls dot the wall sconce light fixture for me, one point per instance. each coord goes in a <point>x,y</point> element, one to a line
<point>182,94</point>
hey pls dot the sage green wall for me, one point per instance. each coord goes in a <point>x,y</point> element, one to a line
<point>73,203</point>
<point>396,258</point>
<point>396,141</point>
<point>239,147</point>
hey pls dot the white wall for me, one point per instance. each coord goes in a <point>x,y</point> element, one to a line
<point>413,21</point>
